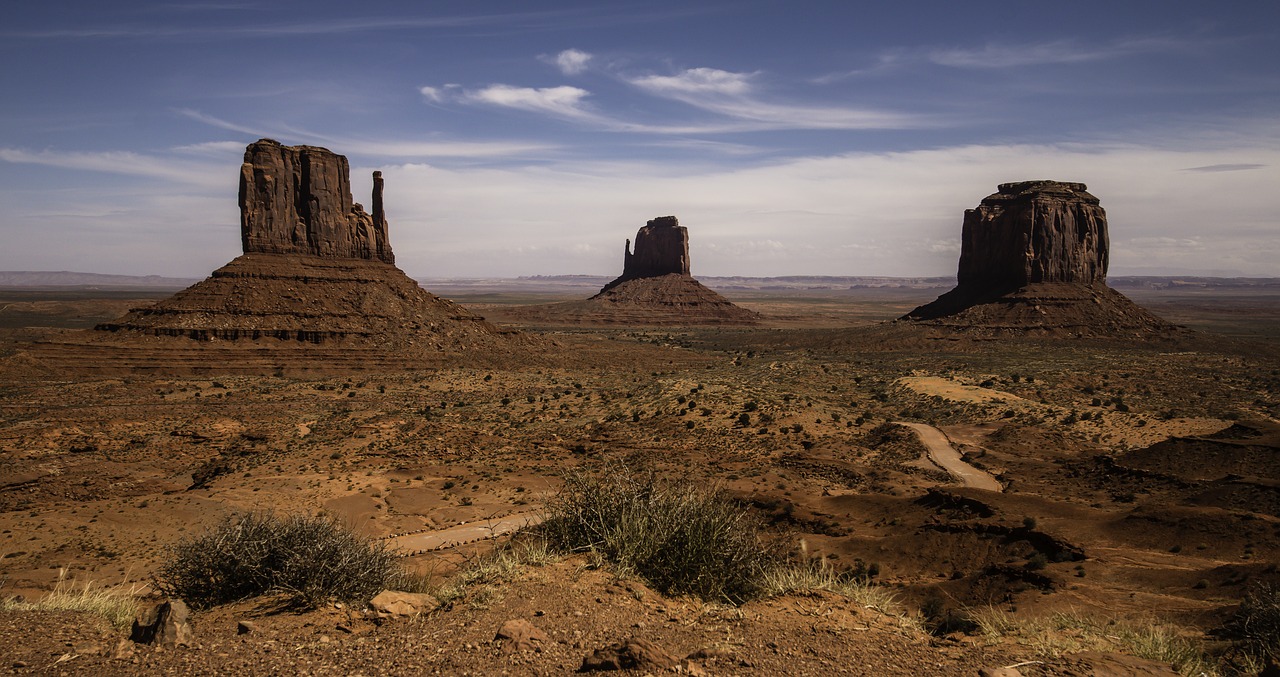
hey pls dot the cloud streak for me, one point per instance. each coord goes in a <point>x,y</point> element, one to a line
<point>996,56</point>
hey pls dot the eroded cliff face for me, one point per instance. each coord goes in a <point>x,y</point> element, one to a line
<point>662,248</point>
<point>1031,232</point>
<point>297,200</point>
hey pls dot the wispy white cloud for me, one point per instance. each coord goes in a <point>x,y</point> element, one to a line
<point>1051,52</point>
<point>570,61</point>
<point>563,101</point>
<point>119,162</point>
<point>217,122</point>
<point>697,82</point>
<point>1238,167</point>
<point>386,148</point>
<point>735,96</point>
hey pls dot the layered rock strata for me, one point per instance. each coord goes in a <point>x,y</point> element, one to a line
<point>1034,257</point>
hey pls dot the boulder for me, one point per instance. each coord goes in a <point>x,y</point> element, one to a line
<point>164,624</point>
<point>297,200</point>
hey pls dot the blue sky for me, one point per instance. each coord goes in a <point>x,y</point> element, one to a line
<point>525,138</point>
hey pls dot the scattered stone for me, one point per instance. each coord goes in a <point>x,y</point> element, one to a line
<point>163,625</point>
<point>631,654</point>
<point>123,650</point>
<point>520,635</point>
<point>246,628</point>
<point>389,603</point>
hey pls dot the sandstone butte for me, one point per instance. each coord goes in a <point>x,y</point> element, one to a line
<point>655,288</point>
<point>316,288</point>
<point>1033,258</point>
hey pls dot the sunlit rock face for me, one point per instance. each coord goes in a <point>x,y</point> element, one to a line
<point>297,200</point>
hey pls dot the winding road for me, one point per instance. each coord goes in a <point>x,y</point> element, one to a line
<point>942,453</point>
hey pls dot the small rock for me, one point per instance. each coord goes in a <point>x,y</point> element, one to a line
<point>999,672</point>
<point>632,654</point>
<point>390,603</point>
<point>246,628</point>
<point>520,635</point>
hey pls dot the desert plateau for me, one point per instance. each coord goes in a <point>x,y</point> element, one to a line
<point>1040,471</point>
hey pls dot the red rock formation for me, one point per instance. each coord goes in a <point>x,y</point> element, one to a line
<point>662,247</point>
<point>316,270</point>
<point>1034,231</point>
<point>655,288</point>
<point>1033,258</point>
<point>297,200</point>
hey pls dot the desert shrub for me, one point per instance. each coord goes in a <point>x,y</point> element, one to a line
<point>680,537</point>
<point>1256,624</point>
<point>310,559</point>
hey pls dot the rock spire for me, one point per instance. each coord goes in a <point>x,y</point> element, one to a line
<point>297,200</point>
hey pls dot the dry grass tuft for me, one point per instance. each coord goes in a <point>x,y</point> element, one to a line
<point>118,605</point>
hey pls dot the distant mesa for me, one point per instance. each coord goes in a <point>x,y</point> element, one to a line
<point>316,270</point>
<point>1033,257</point>
<point>655,288</point>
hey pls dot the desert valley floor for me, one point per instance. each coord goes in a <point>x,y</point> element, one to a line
<point>1139,482</point>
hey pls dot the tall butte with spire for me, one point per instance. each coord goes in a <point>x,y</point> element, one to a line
<point>317,270</point>
<point>1033,259</point>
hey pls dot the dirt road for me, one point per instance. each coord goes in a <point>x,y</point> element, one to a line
<point>464,533</point>
<point>947,458</point>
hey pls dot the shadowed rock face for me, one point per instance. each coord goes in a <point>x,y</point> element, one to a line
<point>662,247</point>
<point>1033,258</point>
<point>1034,231</point>
<point>297,200</point>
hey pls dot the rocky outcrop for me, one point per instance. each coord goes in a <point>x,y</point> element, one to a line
<point>662,248</point>
<point>1031,232</point>
<point>655,288</point>
<point>317,271</point>
<point>297,200</point>
<point>1033,259</point>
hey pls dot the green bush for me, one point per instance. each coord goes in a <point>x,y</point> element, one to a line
<point>310,559</point>
<point>677,535</point>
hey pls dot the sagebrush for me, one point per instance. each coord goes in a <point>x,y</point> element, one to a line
<point>680,537</point>
<point>309,559</point>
